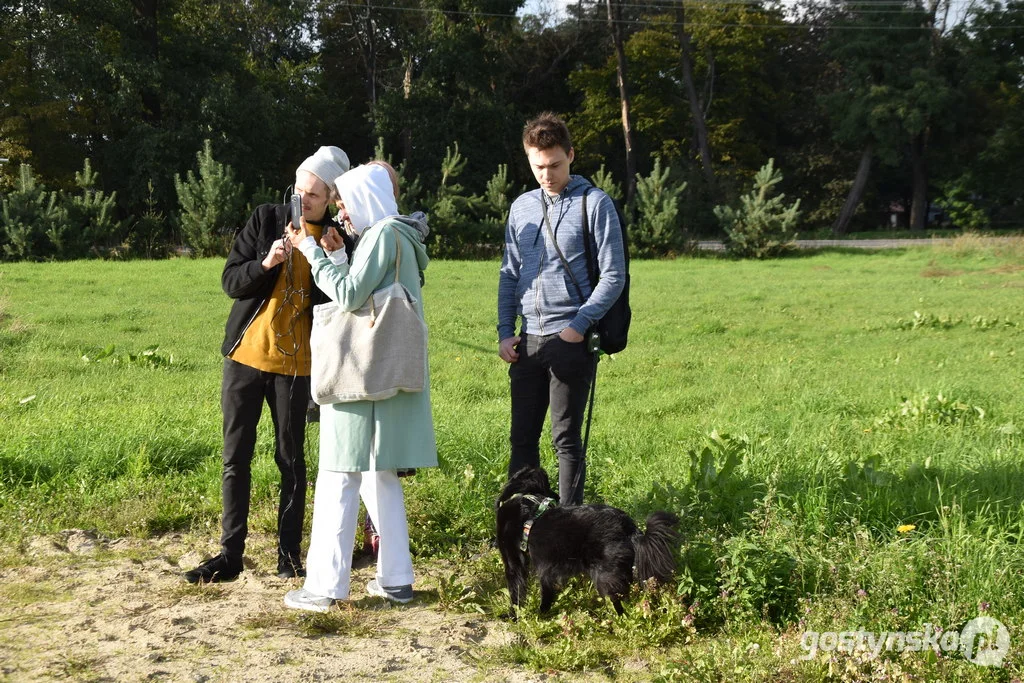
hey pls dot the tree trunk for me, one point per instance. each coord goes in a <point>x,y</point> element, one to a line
<point>407,95</point>
<point>919,199</point>
<point>700,129</point>
<point>146,12</point>
<point>856,193</point>
<point>614,25</point>
<point>366,38</point>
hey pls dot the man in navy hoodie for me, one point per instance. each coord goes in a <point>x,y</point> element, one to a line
<point>544,282</point>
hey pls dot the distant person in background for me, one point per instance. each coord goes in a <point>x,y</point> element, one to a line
<point>549,362</point>
<point>267,359</point>
<point>364,444</point>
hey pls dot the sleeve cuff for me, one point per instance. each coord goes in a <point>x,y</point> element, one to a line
<point>338,257</point>
<point>576,324</point>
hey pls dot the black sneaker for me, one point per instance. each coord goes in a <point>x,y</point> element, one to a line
<point>217,569</point>
<point>290,568</point>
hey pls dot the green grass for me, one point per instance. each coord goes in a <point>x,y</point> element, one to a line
<point>795,412</point>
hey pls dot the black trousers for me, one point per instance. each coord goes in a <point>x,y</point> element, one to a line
<point>243,393</point>
<point>551,373</point>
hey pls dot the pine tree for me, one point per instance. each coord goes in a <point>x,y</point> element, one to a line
<point>603,181</point>
<point>26,216</point>
<point>212,205</point>
<point>497,200</point>
<point>149,231</point>
<point>762,226</point>
<point>657,229</point>
<point>455,229</point>
<point>91,218</point>
<point>410,190</point>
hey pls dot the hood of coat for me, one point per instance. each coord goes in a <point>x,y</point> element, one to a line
<point>575,183</point>
<point>415,228</point>
<point>368,195</point>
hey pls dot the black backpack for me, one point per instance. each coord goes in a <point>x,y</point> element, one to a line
<point>613,328</point>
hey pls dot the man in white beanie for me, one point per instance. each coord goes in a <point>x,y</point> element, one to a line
<point>267,359</point>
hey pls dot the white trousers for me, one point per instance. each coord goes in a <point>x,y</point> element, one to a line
<point>335,518</point>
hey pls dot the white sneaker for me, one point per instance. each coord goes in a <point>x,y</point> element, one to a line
<point>402,594</point>
<point>303,599</point>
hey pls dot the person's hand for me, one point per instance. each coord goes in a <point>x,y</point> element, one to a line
<point>570,335</point>
<point>507,349</point>
<point>279,251</point>
<point>332,241</point>
<point>298,233</point>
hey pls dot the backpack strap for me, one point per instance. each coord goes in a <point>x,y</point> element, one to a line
<point>591,262</point>
<point>592,273</point>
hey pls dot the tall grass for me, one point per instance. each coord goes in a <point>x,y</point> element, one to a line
<point>972,244</point>
<point>800,414</point>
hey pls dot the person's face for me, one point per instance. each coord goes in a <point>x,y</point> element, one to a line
<point>550,167</point>
<point>314,193</point>
<point>342,213</point>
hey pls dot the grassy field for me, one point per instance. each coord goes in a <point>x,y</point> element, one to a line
<point>841,433</point>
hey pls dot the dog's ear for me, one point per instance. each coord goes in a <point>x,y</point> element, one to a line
<point>536,481</point>
<point>513,485</point>
<point>502,496</point>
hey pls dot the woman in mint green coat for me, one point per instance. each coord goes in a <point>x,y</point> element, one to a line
<point>363,443</point>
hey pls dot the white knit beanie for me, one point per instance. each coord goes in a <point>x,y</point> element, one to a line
<point>327,164</point>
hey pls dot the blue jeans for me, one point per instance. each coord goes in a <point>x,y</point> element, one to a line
<point>551,373</point>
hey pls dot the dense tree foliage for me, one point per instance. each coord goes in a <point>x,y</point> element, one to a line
<point>868,107</point>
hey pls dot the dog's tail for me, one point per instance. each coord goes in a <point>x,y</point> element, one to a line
<point>654,548</point>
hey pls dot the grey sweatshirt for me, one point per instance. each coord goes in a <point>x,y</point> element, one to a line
<point>534,285</point>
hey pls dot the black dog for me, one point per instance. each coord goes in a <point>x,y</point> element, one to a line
<point>561,542</point>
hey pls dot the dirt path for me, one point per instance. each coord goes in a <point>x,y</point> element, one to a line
<point>81,608</point>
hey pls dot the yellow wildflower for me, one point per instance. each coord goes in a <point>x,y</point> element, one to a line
<point>904,528</point>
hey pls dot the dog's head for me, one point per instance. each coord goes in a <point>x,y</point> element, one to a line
<point>528,480</point>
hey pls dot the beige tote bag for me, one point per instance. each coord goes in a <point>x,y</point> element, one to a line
<point>372,353</point>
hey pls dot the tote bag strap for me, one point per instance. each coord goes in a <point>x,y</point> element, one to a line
<point>398,268</point>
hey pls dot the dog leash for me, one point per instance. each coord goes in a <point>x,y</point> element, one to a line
<point>586,433</point>
<point>542,506</point>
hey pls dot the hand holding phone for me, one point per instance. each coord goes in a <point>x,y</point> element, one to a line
<point>331,240</point>
<point>298,231</point>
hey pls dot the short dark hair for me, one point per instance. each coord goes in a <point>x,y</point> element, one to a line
<point>545,131</point>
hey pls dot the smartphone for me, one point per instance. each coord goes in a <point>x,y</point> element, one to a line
<point>296,211</point>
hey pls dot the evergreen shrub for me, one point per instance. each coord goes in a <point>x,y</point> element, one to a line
<point>762,226</point>
<point>212,205</point>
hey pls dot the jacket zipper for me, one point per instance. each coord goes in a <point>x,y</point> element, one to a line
<point>244,329</point>
<point>542,255</point>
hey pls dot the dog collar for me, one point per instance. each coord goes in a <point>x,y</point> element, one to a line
<point>542,505</point>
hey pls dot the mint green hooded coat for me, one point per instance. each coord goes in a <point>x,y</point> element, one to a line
<point>397,432</point>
